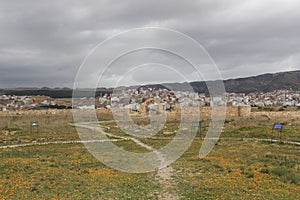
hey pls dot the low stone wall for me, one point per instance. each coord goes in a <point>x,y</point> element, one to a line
<point>205,112</point>
<point>36,112</point>
<point>283,114</point>
<point>242,111</point>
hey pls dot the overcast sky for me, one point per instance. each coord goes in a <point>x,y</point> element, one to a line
<point>43,43</point>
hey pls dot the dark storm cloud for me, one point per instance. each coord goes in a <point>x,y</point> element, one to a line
<point>44,43</point>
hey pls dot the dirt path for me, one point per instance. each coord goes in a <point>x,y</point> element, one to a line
<point>164,176</point>
<point>56,142</point>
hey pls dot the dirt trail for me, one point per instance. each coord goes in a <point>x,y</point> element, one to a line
<point>164,176</point>
<point>56,142</point>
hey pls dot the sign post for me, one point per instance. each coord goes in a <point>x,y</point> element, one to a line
<point>34,125</point>
<point>197,125</point>
<point>279,127</point>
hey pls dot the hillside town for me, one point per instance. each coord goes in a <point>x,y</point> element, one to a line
<point>133,99</point>
<point>12,102</point>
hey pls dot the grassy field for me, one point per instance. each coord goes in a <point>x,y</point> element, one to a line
<point>239,167</point>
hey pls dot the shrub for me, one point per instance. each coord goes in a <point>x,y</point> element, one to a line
<point>229,170</point>
<point>291,178</point>
<point>250,174</point>
<point>279,171</point>
<point>286,175</point>
<point>265,170</point>
<point>242,168</point>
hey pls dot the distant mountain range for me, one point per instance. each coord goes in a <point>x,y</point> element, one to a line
<point>261,83</point>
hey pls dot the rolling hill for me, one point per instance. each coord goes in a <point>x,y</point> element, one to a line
<point>261,83</point>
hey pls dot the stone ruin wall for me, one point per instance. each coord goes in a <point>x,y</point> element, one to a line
<point>282,114</point>
<point>36,112</point>
<point>205,112</point>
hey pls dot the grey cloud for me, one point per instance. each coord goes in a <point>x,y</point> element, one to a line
<point>44,43</point>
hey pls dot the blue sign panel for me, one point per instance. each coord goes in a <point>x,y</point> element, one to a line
<point>277,126</point>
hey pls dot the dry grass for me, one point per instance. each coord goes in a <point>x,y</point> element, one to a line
<point>235,169</point>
